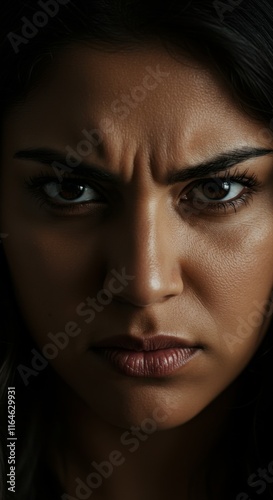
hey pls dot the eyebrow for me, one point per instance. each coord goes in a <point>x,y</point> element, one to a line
<point>218,163</point>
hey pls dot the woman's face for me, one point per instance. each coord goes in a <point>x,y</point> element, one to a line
<point>190,257</point>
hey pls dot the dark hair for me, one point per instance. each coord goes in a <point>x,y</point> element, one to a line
<point>237,39</point>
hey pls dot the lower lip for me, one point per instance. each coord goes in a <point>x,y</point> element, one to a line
<point>159,363</point>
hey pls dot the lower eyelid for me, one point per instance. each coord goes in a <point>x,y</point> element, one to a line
<point>234,204</point>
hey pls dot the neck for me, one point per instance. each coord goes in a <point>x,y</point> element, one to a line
<point>169,459</point>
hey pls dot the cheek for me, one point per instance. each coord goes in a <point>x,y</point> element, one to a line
<point>235,283</point>
<point>53,270</point>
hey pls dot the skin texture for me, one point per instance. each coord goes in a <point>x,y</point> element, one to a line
<point>196,275</point>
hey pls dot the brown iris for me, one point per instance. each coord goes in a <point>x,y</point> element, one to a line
<point>70,191</point>
<point>215,190</point>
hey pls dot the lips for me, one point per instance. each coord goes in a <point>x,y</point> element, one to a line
<point>142,357</point>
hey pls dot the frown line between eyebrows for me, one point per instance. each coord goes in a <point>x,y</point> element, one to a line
<point>218,163</point>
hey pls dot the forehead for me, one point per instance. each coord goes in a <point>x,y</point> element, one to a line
<point>165,106</point>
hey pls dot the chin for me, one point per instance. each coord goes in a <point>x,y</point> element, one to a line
<point>151,417</point>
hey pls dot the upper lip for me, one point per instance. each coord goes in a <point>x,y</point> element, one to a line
<point>144,344</point>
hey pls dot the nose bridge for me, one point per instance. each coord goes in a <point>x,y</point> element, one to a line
<point>143,247</point>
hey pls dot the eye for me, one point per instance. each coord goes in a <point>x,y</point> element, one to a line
<point>220,193</point>
<point>70,190</point>
<point>68,194</point>
<point>215,190</point>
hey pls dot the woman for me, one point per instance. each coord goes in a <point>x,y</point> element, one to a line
<point>136,227</point>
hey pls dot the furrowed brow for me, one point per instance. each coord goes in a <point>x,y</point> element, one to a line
<point>221,162</point>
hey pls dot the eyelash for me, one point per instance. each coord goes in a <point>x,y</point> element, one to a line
<point>248,181</point>
<point>35,185</point>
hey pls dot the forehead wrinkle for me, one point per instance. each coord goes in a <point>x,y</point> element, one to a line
<point>177,124</point>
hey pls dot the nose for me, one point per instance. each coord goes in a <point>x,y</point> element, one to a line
<point>141,243</point>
